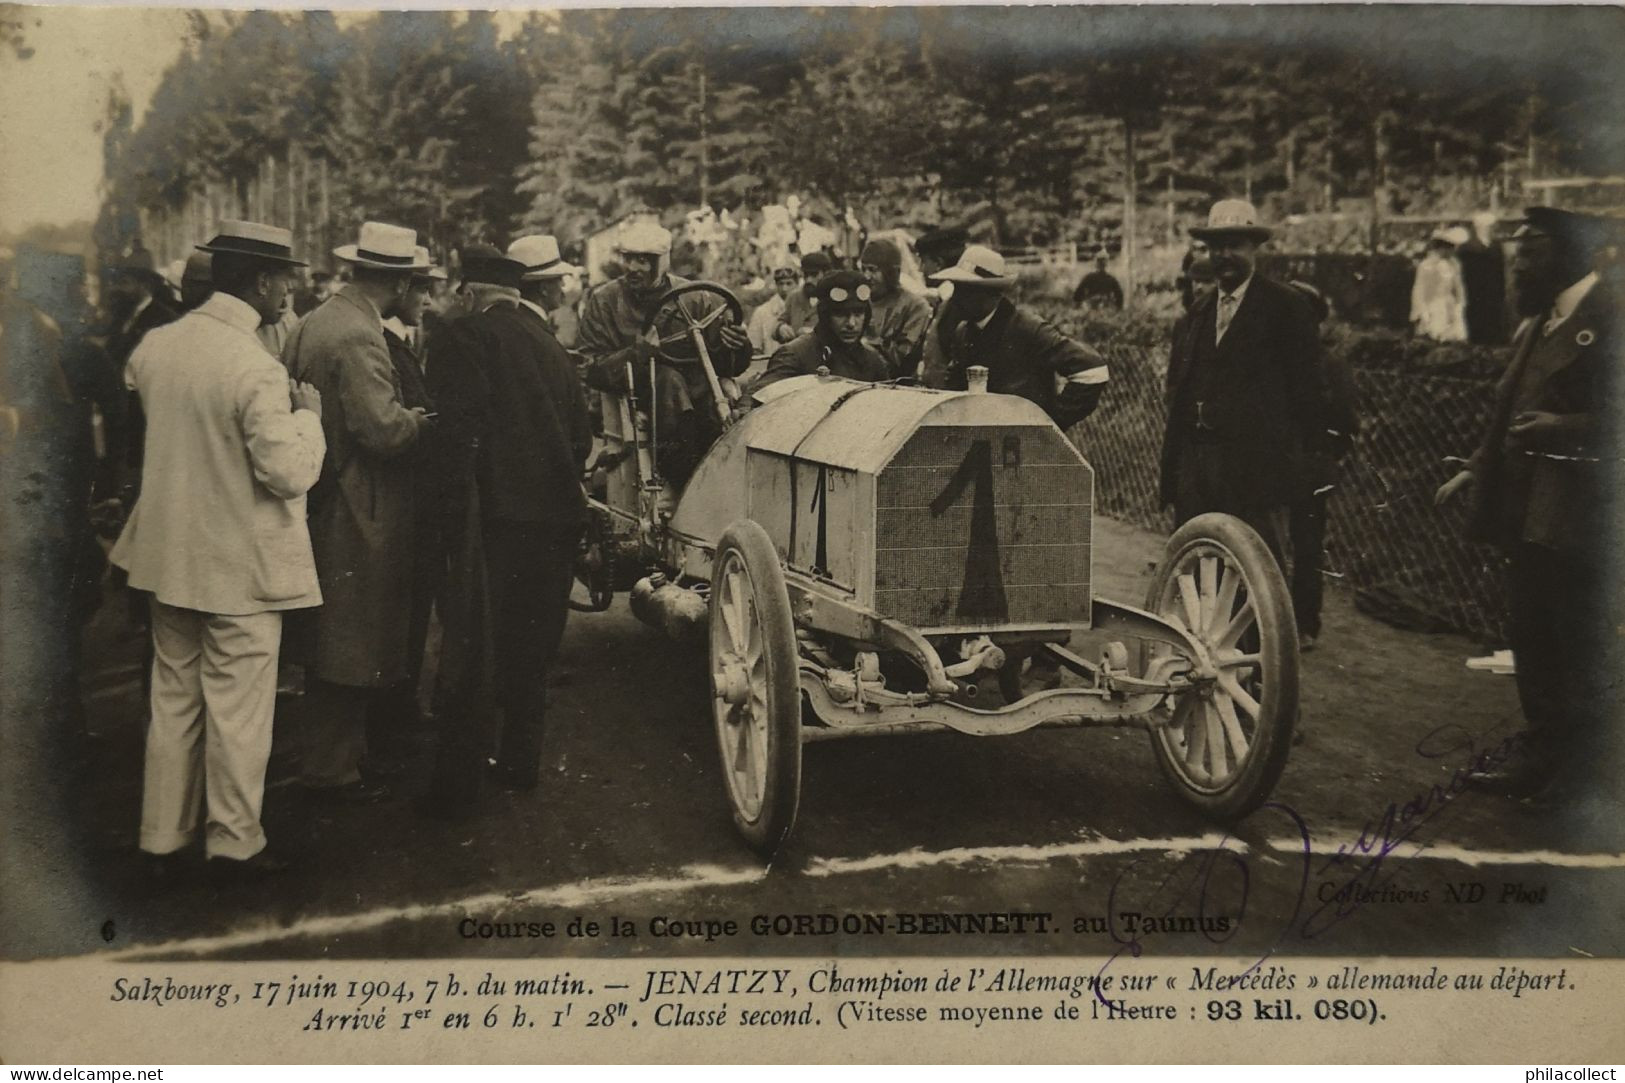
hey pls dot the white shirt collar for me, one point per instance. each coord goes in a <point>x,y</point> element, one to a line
<point>395,327</point>
<point>231,310</point>
<point>1569,300</point>
<point>539,310</point>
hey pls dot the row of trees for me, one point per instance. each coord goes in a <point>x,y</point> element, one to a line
<point>479,125</point>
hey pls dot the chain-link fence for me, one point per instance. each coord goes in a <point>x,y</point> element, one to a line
<point>1407,561</point>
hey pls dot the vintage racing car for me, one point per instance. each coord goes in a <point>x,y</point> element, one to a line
<point>872,559</point>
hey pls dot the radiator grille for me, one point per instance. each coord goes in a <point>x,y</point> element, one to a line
<point>979,528</point>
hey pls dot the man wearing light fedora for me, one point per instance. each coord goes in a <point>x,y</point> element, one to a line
<point>1245,390</point>
<point>541,288</point>
<point>1023,353</point>
<point>361,517</point>
<point>218,538</point>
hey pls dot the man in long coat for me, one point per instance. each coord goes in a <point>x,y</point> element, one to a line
<point>362,517</point>
<point>1245,389</point>
<point>686,418</point>
<point>514,407</point>
<point>218,538</point>
<point>1546,487</point>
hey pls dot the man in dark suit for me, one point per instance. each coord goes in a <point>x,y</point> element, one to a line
<point>509,395</point>
<point>1245,394</point>
<point>1024,354</point>
<point>1545,482</point>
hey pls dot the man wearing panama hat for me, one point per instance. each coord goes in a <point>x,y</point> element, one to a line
<point>1024,354</point>
<point>1245,389</point>
<point>218,539</point>
<point>361,518</point>
<point>1545,483</point>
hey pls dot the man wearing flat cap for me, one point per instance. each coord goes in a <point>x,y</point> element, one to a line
<point>836,342</point>
<point>1245,392</point>
<point>516,418</point>
<point>1545,483</point>
<point>898,319</point>
<point>1024,354</point>
<point>361,518</point>
<point>612,339</point>
<point>218,538</point>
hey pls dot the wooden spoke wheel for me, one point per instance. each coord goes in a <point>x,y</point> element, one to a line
<point>755,686</point>
<point>1224,742</point>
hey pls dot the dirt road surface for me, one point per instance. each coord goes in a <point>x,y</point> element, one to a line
<point>1059,835</point>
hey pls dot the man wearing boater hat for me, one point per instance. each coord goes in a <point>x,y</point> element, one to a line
<point>218,538</point>
<point>1545,483</point>
<point>1024,354</point>
<point>1245,391</point>
<point>836,342</point>
<point>612,339</point>
<point>361,517</point>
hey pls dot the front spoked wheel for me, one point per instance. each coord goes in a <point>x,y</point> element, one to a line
<point>1224,741</point>
<point>755,686</point>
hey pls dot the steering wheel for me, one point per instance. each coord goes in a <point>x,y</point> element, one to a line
<point>693,331</point>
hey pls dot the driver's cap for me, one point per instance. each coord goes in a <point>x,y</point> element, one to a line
<point>644,238</point>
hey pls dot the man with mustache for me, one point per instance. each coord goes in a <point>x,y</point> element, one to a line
<point>1545,484</point>
<point>1246,399</point>
<point>612,339</point>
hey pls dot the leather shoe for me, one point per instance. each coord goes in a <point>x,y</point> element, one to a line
<point>1306,644</point>
<point>264,863</point>
<point>170,868</point>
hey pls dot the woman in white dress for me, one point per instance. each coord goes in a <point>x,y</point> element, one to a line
<point>1438,299</point>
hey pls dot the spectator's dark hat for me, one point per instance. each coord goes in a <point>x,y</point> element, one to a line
<point>842,289</point>
<point>1575,230</point>
<point>882,253</point>
<point>945,239</point>
<point>816,263</point>
<point>239,238</point>
<point>199,268</point>
<point>486,263</point>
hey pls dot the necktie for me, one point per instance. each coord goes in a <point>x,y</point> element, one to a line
<point>1227,312</point>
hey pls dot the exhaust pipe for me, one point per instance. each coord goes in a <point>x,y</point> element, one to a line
<point>679,612</point>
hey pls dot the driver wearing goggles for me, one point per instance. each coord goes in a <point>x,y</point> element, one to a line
<point>836,341</point>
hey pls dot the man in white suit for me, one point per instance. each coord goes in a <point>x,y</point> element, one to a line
<point>218,538</point>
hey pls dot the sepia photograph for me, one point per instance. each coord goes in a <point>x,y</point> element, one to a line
<point>779,502</point>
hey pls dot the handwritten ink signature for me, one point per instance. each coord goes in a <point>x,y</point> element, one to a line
<point>1359,861</point>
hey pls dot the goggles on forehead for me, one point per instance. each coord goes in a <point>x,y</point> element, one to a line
<point>841,293</point>
<point>785,276</point>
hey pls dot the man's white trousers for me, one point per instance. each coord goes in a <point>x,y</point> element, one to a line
<point>213,699</point>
